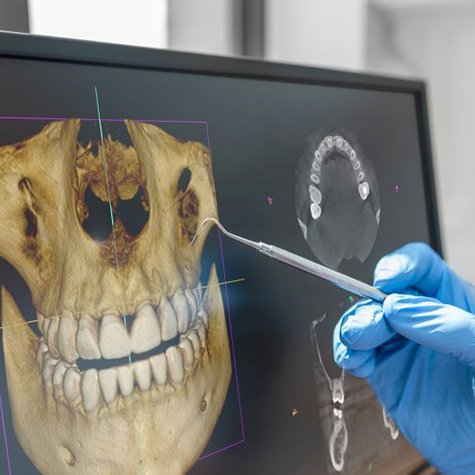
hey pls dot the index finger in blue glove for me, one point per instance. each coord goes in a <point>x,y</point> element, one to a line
<point>363,326</point>
<point>414,265</point>
<point>430,323</point>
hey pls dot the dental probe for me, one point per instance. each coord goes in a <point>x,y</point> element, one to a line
<point>343,281</point>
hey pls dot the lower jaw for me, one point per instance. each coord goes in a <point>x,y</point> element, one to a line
<point>162,430</point>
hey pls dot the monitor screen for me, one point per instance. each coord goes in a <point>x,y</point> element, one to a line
<point>128,346</point>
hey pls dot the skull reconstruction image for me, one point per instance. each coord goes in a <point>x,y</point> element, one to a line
<point>132,365</point>
<point>337,199</point>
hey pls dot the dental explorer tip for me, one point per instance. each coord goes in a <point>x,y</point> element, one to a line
<point>207,220</point>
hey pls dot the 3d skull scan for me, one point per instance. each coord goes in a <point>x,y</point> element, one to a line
<point>99,302</point>
<point>337,199</point>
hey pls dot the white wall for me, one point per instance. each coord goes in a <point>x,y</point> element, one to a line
<point>437,41</point>
<point>204,26</point>
<point>320,32</point>
<point>133,22</point>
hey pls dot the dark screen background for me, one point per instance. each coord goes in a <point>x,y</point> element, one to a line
<point>257,132</point>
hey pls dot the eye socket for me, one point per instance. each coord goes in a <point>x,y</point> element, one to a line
<point>184,180</point>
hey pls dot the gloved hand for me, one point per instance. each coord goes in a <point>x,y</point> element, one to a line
<point>418,354</point>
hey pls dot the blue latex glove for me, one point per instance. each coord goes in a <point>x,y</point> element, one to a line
<point>418,354</point>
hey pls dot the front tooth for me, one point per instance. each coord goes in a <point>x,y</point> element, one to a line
<point>175,364</point>
<point>315,178</point>
<point>168,323</point>
<point>52,337</point>
<point>87,338</point>
<point>114,340</point>
<point>143,374</point>
<point>90,391</point>
<point>204,316</point>
<point>182,310</point>
<point>126,380</point>
<point>71,385</point>
<point>188,352</point>
<point>58,372</point>
<point>109,384</point>
<point>158,364</point>
<point>67,338</point>
<point>145,333</point>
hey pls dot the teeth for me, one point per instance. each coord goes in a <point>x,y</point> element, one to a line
<point>360,176</point>
<point>315,178</point>
<point>329,141</point>
<point>204,316</point>
<point>195,341</point>
<point>58,373</point>
<point>71,385</point>
<point>188,352</point>
<point>190,296</point>
<point>158,364</point>
<point>109,384</point>
<point>114,340</point>
<point>91,394</point>
<point>318,156</point>
<point>45,326</point>
<point>143,374</point>
<point>168,323</point>
<point>145,333</point>
<point>363,189</point>
<point>315,210</point>
<point>87,338</point>
<point>52,337</point>
<point>126,380</point>
<point>352,155</point>
<point>67,338</point>
<point>315,194</point>
<point>182,309</point>
<point>357,165</point>
<point>339,142</point>
<point>316,166</point>
<point>175,364</point>
<point>48,367</point>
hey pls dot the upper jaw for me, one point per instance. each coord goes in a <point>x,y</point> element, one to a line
<point>179,319</point>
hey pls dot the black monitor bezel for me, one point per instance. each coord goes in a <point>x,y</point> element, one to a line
<point>24,46</point>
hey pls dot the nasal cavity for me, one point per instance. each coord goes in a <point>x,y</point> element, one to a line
<point>134,212</point>
<point>98,222</point>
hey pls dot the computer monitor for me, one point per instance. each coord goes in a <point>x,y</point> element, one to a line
<point>126,347</point>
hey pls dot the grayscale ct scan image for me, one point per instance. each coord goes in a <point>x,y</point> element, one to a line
<point>337,199</point>
<point>358,431</point>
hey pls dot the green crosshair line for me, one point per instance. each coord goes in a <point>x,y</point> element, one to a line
<point>116,255</point>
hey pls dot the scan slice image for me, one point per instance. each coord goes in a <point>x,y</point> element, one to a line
<point>357,429</point>
<point>79,403</point>
<point>337,198</point>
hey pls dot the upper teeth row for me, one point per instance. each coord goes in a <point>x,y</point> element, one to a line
<point>69,338</point>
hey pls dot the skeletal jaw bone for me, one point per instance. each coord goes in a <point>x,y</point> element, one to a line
<point>156,414</point>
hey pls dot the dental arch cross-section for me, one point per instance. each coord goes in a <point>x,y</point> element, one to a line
<point>337,199</point>
<point>79,405</point>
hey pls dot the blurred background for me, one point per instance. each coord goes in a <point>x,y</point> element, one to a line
<point>429,39</point>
